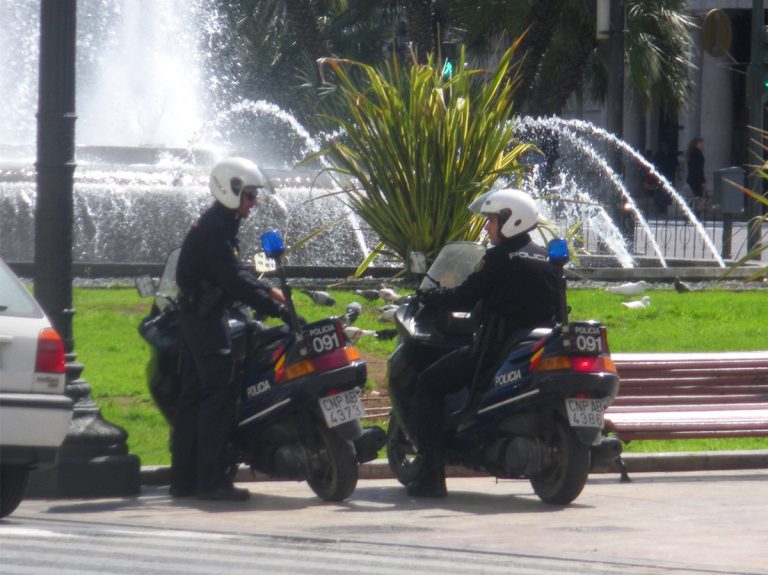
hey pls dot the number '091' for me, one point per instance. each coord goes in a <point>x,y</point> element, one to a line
<point>326,342</point>
<point>588,343</point>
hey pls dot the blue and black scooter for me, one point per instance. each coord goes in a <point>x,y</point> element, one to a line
<point>537,414</point>
<point>300,410</point>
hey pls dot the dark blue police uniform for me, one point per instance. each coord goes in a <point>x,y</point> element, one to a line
<point>210,277</point>
<point>518,289</point>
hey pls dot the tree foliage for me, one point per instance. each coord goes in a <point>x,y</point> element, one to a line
<point>562,58</point>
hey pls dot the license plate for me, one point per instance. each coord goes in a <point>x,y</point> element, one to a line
<point>322,337</point>
<point>585,412</point>
<point>585,338</point>
<point>341,408</point>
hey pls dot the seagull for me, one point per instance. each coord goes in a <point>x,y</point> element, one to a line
<point>387,313</point>
<point>353,311</point>
<point>629,288</point>
<point>369,294</point>
<point>388,294</point>
<point>320,297</point>
<point>354,333</point>
<point>643,302</point>
<point>681,286</point>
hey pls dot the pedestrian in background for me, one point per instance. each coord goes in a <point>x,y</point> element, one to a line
<point>696,180</point>
<point>210,276</point>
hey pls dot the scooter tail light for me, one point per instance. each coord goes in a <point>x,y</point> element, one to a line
<point>552,363</point>
<point>326,362</point>
<point>298,369</point>
<point>335,359</point>
<point>577,363</point>
<point>592,364</point>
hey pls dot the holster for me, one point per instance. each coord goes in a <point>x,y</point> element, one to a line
<point>203,301</point>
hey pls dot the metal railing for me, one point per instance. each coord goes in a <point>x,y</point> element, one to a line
<point>678,238</point>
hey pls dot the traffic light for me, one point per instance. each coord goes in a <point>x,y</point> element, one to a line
<point>450,52</point>
<point>447,69</point>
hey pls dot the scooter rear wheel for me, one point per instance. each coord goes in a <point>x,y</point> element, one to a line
<point>401,453</point>
<point>564,477</point>
<point>333,470</point>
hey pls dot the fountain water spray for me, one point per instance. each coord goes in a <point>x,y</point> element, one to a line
<point>142,82</point>
<point>586,127</point>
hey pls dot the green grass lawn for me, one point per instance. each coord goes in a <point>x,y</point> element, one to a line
<point>108,344</point>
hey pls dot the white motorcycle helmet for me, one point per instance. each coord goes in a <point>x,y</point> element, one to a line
<point>230,176</point>
<point>517,211</point>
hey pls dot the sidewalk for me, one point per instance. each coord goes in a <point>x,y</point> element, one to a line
<point>635,462</point>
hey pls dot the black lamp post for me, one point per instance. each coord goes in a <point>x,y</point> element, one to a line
<point>93,459</point>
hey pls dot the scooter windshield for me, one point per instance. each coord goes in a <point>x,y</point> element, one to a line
<point>168,288</point>
<point>452,265</point>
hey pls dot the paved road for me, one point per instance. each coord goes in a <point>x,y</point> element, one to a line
<point>661,523</point>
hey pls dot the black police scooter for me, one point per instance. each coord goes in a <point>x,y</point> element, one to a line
<point>537,414</point>
<point>300,410</point>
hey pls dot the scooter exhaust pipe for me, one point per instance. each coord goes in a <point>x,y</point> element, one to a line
<point>518,456</point>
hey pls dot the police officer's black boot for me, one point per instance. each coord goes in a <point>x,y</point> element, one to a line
<point>430,481</point>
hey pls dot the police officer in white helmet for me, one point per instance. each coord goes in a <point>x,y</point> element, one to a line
<point>210,276</point>
<point>517,288</point>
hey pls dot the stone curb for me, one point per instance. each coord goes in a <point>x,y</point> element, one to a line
<point>635,463</point>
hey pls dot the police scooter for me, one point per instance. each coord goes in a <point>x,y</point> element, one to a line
<point>299,413</point>
<point>536,414</point>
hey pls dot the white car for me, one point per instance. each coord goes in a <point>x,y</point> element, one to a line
<point>34,412</point>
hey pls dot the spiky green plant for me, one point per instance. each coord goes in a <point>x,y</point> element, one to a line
<point>417,145</point>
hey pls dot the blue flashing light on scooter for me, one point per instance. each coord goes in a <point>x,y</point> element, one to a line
<point>272,244</point>
<point>560,256</point>
<point>558,251</point>
<point>274,248</point>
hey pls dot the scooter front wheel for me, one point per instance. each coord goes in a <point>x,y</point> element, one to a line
<point>401,453</point>
<point>333,468</point>
<point>566,468</point>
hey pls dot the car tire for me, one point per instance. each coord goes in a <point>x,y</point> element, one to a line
<point>13,482</point>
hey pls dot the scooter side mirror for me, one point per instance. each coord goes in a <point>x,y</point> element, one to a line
<point>145,286</point>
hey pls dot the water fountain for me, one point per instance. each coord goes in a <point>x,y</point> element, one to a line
<point>586,185</point>
<point>151,123</point>
<point>148,135</point>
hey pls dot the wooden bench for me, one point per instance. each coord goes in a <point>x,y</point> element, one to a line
<point>690,395</point>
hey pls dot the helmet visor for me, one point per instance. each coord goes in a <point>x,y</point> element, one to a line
<point>477,204</point>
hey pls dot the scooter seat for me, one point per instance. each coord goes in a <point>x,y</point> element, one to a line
<point>267,337</point>
<point>523,338</point>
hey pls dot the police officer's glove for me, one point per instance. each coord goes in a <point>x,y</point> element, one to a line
<point>285,315</point>
<point>424,296</point>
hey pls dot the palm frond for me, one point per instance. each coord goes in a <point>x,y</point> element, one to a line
<point>420,147</point>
